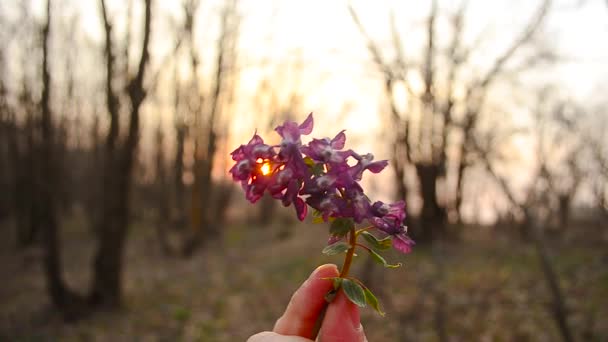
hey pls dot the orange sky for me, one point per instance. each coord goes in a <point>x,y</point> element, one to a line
<point>337,79</point>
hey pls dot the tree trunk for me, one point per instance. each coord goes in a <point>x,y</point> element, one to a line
<point>459,187</point>
<point>161,195</point>
<point>433,216</point>
<point>564,210</point>
<point>399,170</point>
<point>178,172</point>
<point>61,297</point>
<point>113,227</point>
<point>108,265</point>
<point>558,305</point>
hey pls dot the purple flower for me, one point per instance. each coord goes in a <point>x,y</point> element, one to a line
<point>403,243</point>
<point>291,196</point>
<point>320,184</point>
<point>360,203</point>
<point>394,211</point>
<point>247,156</point>
<point>290,131</point>
<point>280,182</point>
<point>365,163</point>
<point>254,189</point>
<point>323,180</point>
<point>328,151</point>
<point>330,205</point>
<point>289,152</point>
<point>389,219</point>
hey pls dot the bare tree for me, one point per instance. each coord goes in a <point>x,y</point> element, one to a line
<point>161,186</point>
<point>7,128</point>
<point>60,295</point>
<point>530,225</point>
<point>563,181</point>
<point>117,166</point>
<point>433,133</point>
<point>207,129</point>
<point>601,184</point>
<point>181,132</point>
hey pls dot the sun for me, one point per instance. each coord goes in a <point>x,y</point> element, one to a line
<point>265,169</point>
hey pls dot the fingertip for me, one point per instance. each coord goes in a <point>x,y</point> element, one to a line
<point>342,321</point>
<point>259,337</point>
<point>268,336</point>
<point>307,303</point>
<point>325,271</point>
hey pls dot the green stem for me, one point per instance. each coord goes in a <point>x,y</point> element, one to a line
<point>349,254</point>
<point>364,229</point>
<point>343,274</point>
<point>364,247</point>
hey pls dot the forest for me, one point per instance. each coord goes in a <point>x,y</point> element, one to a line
<point>121,220</point>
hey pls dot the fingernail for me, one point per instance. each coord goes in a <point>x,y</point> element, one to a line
<point>318,270</point>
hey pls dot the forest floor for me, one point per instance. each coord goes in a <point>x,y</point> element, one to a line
<point>486,287</point>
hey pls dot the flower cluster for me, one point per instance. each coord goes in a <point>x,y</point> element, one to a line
<point>318,175</point>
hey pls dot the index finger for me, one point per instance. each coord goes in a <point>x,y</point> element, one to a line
<point>307,303</point>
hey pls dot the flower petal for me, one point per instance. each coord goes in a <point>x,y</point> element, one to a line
<point>339,141</point>
<point>403,243</point>
<point>301,208</point>
<point>307,125</point>
<point>378,166</point>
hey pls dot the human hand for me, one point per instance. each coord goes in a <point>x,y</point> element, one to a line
<point>341,322</point>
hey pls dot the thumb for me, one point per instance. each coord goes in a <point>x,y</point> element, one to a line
<point>342,322</point>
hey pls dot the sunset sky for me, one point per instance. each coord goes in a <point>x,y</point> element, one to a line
<point>314,49</point>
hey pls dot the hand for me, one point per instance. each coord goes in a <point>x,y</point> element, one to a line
<point>341,322</point>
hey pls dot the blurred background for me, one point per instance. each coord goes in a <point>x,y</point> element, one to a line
<point>120,221</point>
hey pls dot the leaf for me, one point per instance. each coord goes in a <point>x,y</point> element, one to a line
<point>317,219</point>
<point>375,243</point>
<point>379,259</point>
<point>317,216</point>
<point>336,248</point>
<point>354,292</point>
<point>337,282</point>
<point>308,161</point>
<point>315,168</point>
<point>341,225</point>
<point>372,301</point>
<point>330,296</point>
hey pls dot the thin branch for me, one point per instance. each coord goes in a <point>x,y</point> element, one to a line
<point>524,38</point>
<point>378,59</point>
<point>111,98</point>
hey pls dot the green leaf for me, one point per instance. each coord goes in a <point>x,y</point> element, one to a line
<point>372,301</point>
<point>308,161</point>
<point>317,219</point>
<point>375,243</point>
<point>379,259</point>
<point>354,292</point>
<point>336,248</point>
<point>315,168</point>
<point>341,225</point>
<point>317,216</point>
<point>337,282</point>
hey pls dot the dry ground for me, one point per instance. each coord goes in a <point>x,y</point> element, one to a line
<point>490,289</point>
